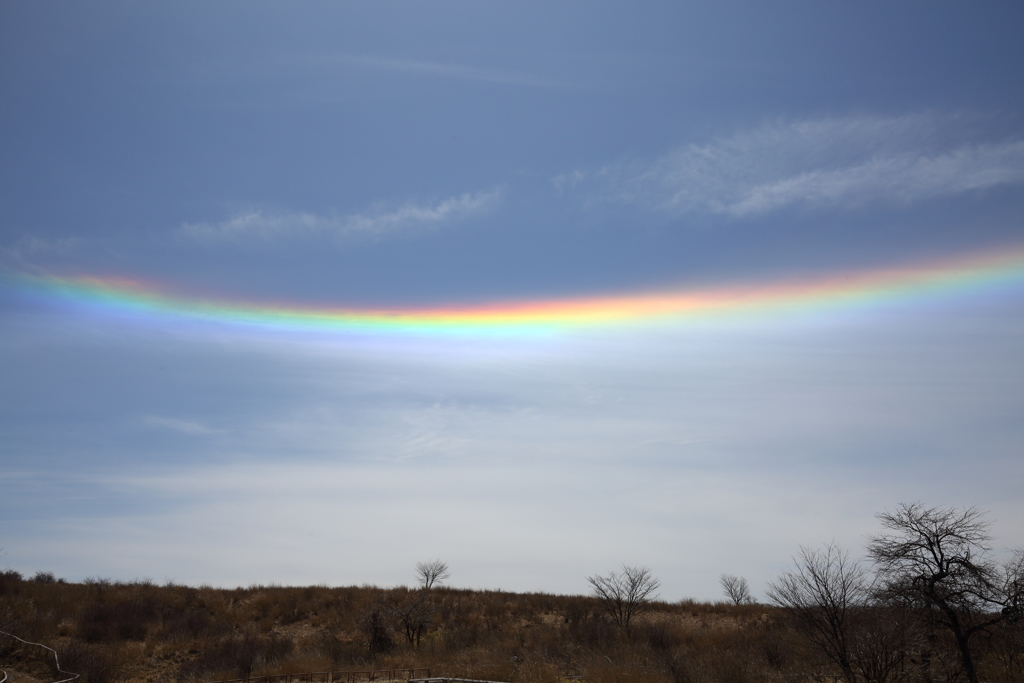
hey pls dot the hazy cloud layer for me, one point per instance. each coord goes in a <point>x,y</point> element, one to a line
<point>378,221</point>
<point>841,163</point>
<point>692,450</point>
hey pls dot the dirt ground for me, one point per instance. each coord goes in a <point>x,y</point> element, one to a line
<point>15,676</point>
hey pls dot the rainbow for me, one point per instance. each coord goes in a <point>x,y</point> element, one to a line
<point>993,270</point>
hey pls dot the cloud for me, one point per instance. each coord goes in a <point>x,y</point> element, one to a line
<point>690,452</point>
<point>568,180</point>
<point>826,163</point>
<point>378,221</point>
<point>455,71</point>
<point>903,178</point>
<point>183,426</point>
<point>29,245</point>
<point>260,225</point>
<point>693,450</point>
<point>384,221</point>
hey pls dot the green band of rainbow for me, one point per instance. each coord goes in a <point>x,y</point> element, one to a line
<point>977,272</point>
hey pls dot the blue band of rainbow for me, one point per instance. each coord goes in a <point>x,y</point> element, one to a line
<point>124,296</point>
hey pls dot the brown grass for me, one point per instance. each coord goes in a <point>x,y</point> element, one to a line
<point>139,632</point>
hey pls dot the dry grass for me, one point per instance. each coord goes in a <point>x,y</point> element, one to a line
<point>140,632</point>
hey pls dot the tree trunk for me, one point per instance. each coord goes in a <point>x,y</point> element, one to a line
<point>965,656</point>
<point>962,642</point>
<point>848,672</point>
<point>926,666</point>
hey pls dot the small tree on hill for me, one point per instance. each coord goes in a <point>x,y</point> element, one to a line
<point>736,589</point>
<point>432,573</point>
<point>625,595</point>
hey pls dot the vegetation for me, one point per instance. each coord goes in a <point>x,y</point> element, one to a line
<point>144,632</point>
<point>936,605</point>
<point>832,619</point>
<point>736,589</point>
<point>625,595</point>
<point>937,562</point>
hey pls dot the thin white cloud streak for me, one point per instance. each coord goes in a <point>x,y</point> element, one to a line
<point>378,221</point>
<point>29,246</point>
<point>383,221</point>
<point>904,179</point>
<point>189,427</point>
<point>842,163</point>
<point>453,71</point>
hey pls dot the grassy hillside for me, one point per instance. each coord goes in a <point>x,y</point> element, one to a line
<point>139,632</point>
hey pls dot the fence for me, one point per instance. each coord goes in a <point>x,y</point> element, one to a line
<point>55,660</point>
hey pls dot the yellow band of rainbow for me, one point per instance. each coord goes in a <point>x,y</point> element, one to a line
<point>976,272</point>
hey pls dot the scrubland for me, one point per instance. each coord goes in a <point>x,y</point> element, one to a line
<point>135,632</point>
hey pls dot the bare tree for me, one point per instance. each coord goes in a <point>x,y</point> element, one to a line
<point>882,637</point>
<point>376,632</point>
<point>626,594</point>
<point>822,596</point>
<point>432,573</point>
<point>939,559</point>
<point>1013,587</point>
<point>412,610</point>
<point>736,589</point>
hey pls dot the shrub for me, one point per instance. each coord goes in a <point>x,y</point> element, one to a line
<point>125,620</point>
<point>93,664</point>
<point>235,655</point>
<point>376,633</point>
<point>10,581</point>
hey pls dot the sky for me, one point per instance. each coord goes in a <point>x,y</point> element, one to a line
<point>310,292</point>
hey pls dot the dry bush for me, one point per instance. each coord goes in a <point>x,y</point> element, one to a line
<point>123,620</point>
<point>94,664</point>
<point>10,582</point>
<point>376,631</point>
<point>239,656</point>
<point>1007,647</point>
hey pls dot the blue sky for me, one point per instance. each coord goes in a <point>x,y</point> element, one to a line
<point>404,154</point>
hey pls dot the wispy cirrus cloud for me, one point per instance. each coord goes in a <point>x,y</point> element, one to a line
<point>29,245</point>
<point>826,163</point>
<point>443,70</point>
<point>901,178</point>
<point>189,427</point>
<point>377,221</point>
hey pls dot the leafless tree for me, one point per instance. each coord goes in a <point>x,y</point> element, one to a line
<point>412,610</point>
<point>376,632</point>
<point>736,589</point>
<point>882,636</point>
<point>939,559</point>
<point>1013,588</point>
<point>823,595</point>
<point>625,595</point>
<point>1007,642</point>
<point>432,573</point>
